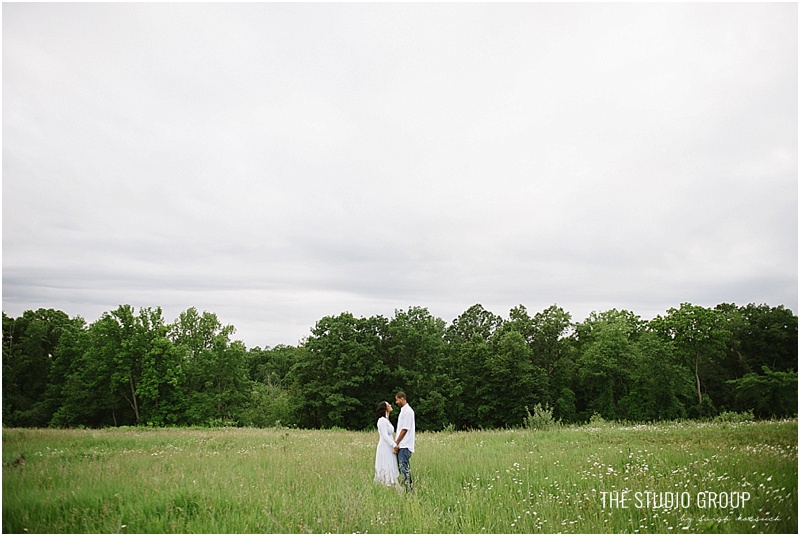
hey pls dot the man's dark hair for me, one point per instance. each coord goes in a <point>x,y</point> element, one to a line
<point>401,394</point>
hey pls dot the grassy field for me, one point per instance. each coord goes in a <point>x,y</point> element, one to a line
<point>664,478</point>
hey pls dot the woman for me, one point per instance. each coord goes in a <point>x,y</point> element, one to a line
<point>386,471</point>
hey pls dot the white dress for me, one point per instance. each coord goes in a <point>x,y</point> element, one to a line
<point>386,471</point>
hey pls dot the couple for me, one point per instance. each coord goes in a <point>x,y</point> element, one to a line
<point>391,452</point>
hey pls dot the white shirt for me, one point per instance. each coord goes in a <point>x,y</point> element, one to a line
<point>406,422</point>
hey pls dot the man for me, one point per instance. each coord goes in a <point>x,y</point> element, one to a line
<point>405,440</point>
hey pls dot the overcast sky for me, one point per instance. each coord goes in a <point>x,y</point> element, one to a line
<point>277,163</point>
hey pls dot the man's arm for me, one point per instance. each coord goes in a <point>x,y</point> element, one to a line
<point>400,437</point>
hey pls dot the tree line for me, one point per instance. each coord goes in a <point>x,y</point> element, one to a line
<point>480,371</point>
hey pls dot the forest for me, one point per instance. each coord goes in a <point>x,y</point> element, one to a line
<point>481,371</point>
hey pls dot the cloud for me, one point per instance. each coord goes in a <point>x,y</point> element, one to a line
<point>275,163</point>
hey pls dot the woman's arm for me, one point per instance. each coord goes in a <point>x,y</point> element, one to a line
<point>386,436</point>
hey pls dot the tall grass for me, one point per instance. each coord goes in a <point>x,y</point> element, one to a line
<point>293,481</point>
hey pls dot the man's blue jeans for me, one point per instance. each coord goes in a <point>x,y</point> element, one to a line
<point>403,459</point>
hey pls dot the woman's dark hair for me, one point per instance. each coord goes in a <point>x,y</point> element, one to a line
<point>380,411</point>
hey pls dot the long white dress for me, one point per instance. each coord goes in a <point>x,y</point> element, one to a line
<point>386,471</point>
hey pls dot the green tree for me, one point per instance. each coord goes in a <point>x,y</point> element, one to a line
<point>71,346</point>
<point>565,408</point>
<point>550,337</point>
<point>123,351</point>
<point>29,347</point>
<point>547,336</point>
<point>88,397</point>
<point>510,382</point>
<point>659,386</point>
<point>272,365</point>
<point>416,355</point>
<point>520,321</point>
<point>607,356</point>
<point>771,394</point>
<point>161,387</point>
<point>474,321</point>
<point>467,367</point>
<point>342,375</point>
<point>215,372</point>
<point>468,347</point>
<point>128,340</point>
<point>699,338</point>
<point>10,387</point>
<point>272,402</point>
<point>269,406</point>
<point>768,338</point>
<point>227,386</point>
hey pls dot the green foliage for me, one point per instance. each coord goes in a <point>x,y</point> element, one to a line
<point>162,385</point>
<point>735,417</point>
<point>415,357</point>
<point>549,342</point>
<point>597,420</point>
<point>272,366</point>
<point>565,406</point>
<point>29,349</point>
<point>658,384</point>
<point>699,336</point>
<point>705,410</point>
<point>215,368</point>
<point>510,382</point>
<point>474,322</point>
<point>770,394</point>
<point>342,374</point>
<point>540,419</point>
<point>269,407</point>
<point>131,367</point>
<point>609,355</point>
<point>467,361</point>
<point>767,337</point>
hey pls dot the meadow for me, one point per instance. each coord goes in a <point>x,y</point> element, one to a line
<point>678,477</point>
